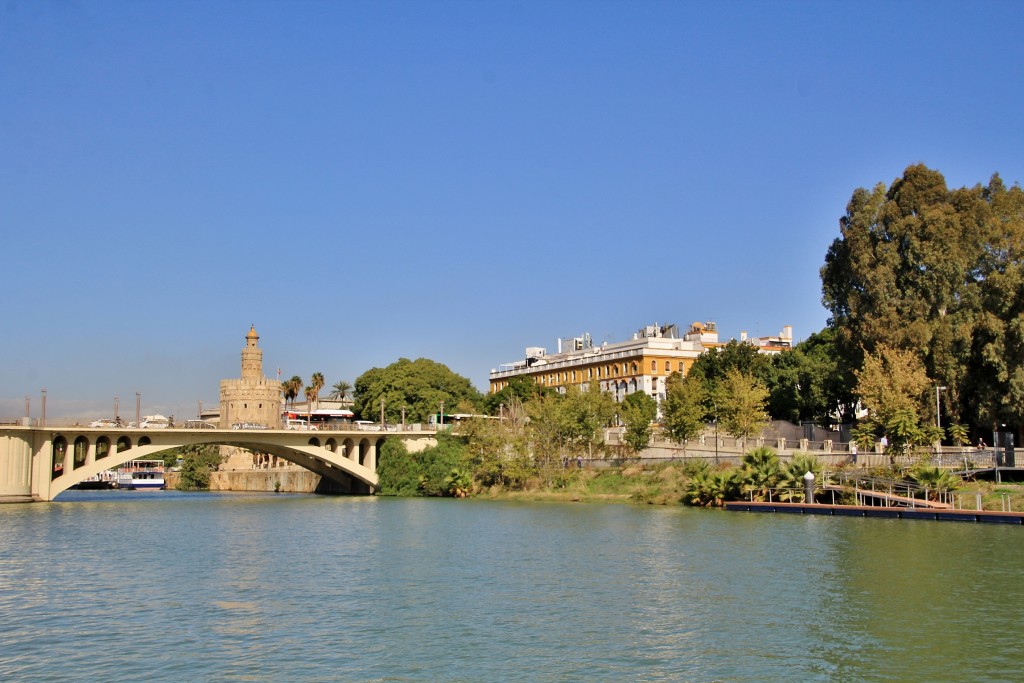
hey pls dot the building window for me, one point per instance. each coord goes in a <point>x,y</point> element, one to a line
<point>654,366</point>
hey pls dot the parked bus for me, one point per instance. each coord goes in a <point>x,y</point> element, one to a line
<point>322,418</point>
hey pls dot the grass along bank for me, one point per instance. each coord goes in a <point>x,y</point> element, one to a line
<point>668,483</point>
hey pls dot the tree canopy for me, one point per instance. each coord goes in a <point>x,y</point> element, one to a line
<point>419,386</point>
<point>937,273</point>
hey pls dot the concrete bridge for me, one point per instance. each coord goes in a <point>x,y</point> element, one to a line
<point>37,463</point>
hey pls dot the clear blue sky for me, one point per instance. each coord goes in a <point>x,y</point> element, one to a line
<point>365,181</point>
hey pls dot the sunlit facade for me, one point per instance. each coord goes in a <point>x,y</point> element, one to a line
<point>643,363</point>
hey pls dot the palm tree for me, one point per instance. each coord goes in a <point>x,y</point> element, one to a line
<point>291,389</point>
<point>310,397</point>
<point>316,383</point>
<point>458,483</point>
<point>712,489</point>
<point>791,476</point>
<point>935,480</point>
<point>760,472</point>
<point>341,390</point>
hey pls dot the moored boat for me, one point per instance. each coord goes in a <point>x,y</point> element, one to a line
<point>106,479</point>
<point>141,474</point>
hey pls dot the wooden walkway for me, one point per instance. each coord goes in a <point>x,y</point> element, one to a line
<point>938,514</point>
<point>892,499</point>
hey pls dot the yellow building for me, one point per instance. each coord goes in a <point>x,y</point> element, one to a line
<point>642,363</point>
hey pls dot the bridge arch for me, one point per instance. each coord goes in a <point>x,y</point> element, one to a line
<point>78,454</point>
<point>81,448</point>
<point>58,450</point>
<point>102,447</point>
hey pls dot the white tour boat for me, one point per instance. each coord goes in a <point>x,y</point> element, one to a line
<point>141,474</point>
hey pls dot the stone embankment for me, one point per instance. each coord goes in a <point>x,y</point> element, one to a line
<point>241,470</point>
<point>290,480</point>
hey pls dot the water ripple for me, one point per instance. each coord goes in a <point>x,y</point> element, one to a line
<point>229,587</point>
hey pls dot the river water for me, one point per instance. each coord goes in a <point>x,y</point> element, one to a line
<point>168,586</point>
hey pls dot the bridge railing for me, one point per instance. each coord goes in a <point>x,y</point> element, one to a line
<point>72,422</point>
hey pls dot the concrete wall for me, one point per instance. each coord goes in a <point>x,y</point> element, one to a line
<point>283,480</point>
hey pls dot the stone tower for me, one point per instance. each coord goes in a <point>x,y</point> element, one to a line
<point>252,398</point>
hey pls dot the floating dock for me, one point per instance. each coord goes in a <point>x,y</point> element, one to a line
<point>936,514</point>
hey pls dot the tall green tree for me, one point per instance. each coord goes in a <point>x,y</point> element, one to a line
<point>398,471</point>
<point>893,386</point>
<point>419,386</point>
<point>716,364</point>
<point>936,272</point>
<point>740,401</point>
<point>684,412</point>
<point>519,388</point>
<point>637,412</point>
<point>500,451</point>
<point>811,383</point>
<point>588,412</point>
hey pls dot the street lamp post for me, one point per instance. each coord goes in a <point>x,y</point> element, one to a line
<point>42,419</point>
<point>138,409</point>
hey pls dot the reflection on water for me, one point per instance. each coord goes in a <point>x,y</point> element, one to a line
<point>167,586</point>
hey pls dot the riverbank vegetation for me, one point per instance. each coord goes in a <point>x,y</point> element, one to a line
<point>454,469</point>
<point>925,290</point>
<point>195,463</point>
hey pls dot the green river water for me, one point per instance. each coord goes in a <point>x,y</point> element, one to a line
<point>167,586</point>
